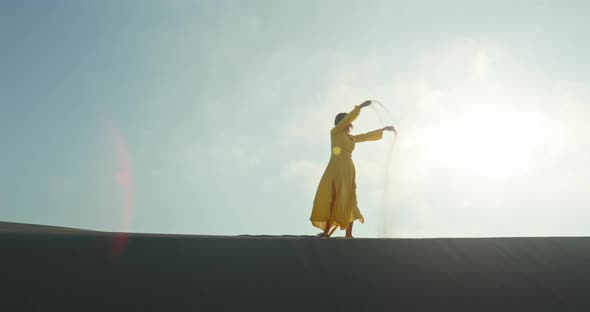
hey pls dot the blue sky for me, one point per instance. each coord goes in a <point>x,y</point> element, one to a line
<point>213,117</point>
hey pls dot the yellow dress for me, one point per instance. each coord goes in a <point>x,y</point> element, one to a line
<point>340,175</point>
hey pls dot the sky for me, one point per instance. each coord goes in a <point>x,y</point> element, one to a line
<point>213,117</point>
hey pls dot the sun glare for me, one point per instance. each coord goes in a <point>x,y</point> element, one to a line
<point>491,144</point>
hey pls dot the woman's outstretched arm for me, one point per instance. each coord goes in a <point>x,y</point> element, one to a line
<point>350,117</point>
<point>372,136</point>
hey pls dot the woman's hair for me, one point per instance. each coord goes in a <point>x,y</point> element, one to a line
<point>338,118</point>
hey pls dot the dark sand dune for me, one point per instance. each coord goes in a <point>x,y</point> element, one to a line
<point>77,270</point>
<point>35,228</point>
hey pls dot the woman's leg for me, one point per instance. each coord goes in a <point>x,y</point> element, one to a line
<point>327,229</point>
<point>349,230</point>
<point>332,201</point>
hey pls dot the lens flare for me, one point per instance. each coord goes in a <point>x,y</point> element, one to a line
<point>124,180</point>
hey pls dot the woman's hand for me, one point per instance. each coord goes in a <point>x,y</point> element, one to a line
<point>365,103</point>
<point>389,128</point>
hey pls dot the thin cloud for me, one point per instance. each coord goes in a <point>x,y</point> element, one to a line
<point>305,173</point>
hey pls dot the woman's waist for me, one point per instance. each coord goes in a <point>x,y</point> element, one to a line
<point>343,157</point>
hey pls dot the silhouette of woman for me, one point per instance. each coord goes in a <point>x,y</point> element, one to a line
<point>335,202</point>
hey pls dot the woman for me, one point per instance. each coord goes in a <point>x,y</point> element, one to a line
<point>335,200</point>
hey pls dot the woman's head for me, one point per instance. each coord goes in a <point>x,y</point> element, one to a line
<point>339,117</point>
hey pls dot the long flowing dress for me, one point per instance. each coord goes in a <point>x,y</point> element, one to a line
<point>338,181</point>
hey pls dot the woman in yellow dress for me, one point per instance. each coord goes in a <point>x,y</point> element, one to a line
<point>335,199</point>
